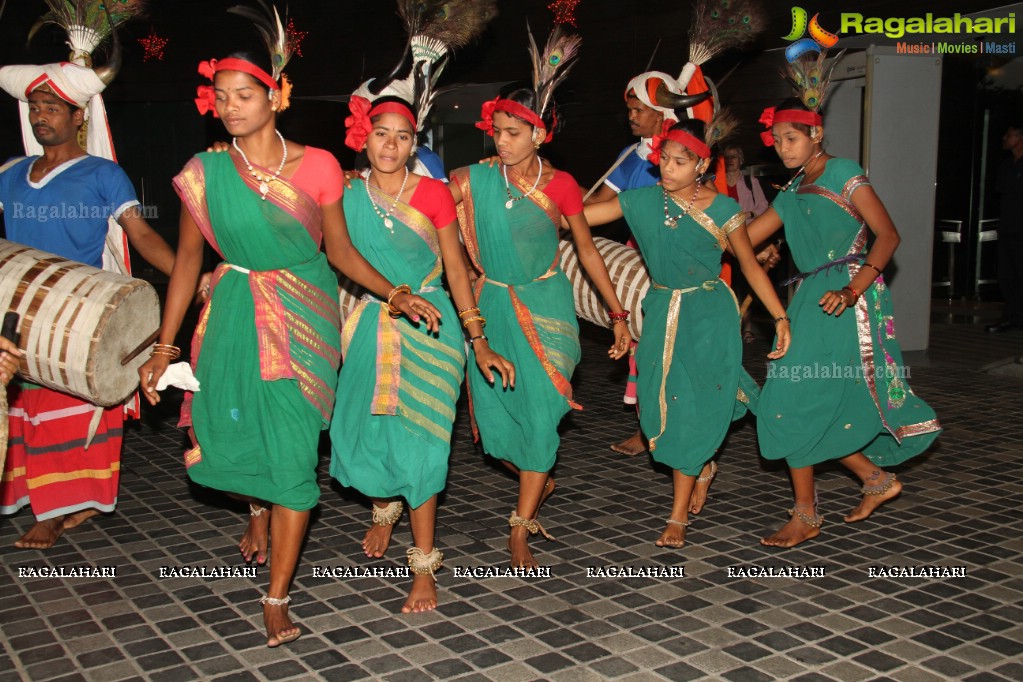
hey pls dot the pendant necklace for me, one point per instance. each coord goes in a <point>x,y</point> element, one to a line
<point>670,221</point>
<point>263,179</point>
<point>800,171</point>
<point>388,223</point>
<point>507,188</point>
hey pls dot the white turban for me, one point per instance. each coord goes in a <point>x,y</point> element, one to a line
<point>77,85</point>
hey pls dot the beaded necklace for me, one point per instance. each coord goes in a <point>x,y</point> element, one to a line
<point>507,188</point>
<point>670,221</point>
<point>388,223</point>
<point>264,180</point>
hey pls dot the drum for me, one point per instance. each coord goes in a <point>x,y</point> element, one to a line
<point>84,330</point>
<point>349,295</point>
<point>628,274</point>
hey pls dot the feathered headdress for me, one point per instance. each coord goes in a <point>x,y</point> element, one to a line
<point>88,23</point>
<point>717,26</point>
<point>434,27</point>
<point>809,77</point>
<point>271,30</point>
<point>552,65</point>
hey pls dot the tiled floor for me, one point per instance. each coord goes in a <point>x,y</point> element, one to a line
<point>961,507</point>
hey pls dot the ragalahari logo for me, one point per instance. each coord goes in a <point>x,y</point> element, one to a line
<point>819,39</point>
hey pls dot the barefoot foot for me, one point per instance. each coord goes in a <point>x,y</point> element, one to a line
<point>279,628</point>
<point>42,535</point>
<point>702,487</point>
<point>631,446</point>
<point>378,536</point>
<point>423,595</point>
<point>674,535</point>
<point>874,497</point>
<point>518,545</point>
<point>76,519</point>
<point>256,540</point>
<point>800,528</point>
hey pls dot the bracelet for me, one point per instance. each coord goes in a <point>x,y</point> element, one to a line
<point>871,265</point>
<point>472,308</point>
<point>783,318</point>
<point>173,352</point>
<point>852,291</point>
<point>400,289</point>
<point>619,317</point>
<point>482,320</point>
<point>477,338</point>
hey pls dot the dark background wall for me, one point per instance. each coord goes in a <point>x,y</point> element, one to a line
<point>157,128</point>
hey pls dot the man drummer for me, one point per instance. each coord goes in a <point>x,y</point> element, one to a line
<point>60,202</point>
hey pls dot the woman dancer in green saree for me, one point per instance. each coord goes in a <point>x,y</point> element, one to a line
<point>691,384</point>
<point>391,432</point>
<point>841,388</point>
<point>266,348</point>
<point>510,214</point>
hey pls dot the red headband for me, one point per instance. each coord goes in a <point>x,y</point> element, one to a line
<point>359,124</point>
<point>770,116</point>
<point>206,97</point>
<point>515,109</point>
<point>690,142</point>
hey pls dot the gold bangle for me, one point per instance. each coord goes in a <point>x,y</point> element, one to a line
<point>463,311</point>
<point>482,320</point>
<point>400,289</point>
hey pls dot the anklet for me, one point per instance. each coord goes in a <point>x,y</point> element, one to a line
<point>814,521</point>
<point>684,524</point>
<point>881,488</point>
<point>256,510</point>
<point>532,525</point>
<point>389,515</point>
<point>422,563</point>
<point>274,601</point>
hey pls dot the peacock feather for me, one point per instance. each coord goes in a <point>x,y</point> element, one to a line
<point>271,29</point>
<point>552,65</point>
<point>720,127</point>
<point>810,76</point>
<point>85,21</point>
<point>719,25</point>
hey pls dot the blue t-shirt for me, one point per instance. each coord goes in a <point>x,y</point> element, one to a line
<point>433,162</point>
<point>634,172</point>
<point>66,212</point>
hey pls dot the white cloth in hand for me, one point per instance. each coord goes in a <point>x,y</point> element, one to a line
<point>179,374</point>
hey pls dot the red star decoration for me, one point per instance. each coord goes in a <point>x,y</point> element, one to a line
<point>153,46</point>
<point>564,11</point>
<point>295,37</point>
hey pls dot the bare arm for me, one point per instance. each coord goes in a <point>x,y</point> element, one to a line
<point>343,255</point>
<point>886,240</point>
<point>595,267</point>
<point>454,257</point>
<point>763,226</point>
<point>605,193</point>
<point>146,241</point>
<point>183,279</point>
<point>754,273</point>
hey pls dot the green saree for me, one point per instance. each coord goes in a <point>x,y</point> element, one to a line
<point>391,433</point>
<point>690,384</point>
<point>842,386</point>
<point>530,313</point>
<point>266,349</point>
